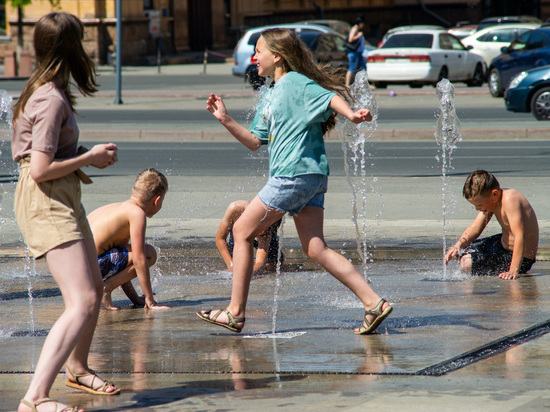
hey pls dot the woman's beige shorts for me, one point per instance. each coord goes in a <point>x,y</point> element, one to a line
<point>49,213</point>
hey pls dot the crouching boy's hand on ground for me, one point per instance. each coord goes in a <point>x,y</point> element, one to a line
<point>154,306</point>
<point>508,275</point>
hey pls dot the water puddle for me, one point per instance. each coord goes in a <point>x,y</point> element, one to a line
<point>274,335</point>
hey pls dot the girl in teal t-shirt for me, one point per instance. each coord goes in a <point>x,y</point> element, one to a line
<point>291,120</point>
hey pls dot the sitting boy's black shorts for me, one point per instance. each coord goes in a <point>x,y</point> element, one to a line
<point>490,258</point>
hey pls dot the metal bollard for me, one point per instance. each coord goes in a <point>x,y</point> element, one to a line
<point>10,66</point>
<point>25,64</point>
<point>204,60</point>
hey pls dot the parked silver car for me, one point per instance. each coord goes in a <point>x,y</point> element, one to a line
<point>245,47</point>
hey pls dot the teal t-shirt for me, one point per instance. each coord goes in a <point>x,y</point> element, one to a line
<point>288,120</point>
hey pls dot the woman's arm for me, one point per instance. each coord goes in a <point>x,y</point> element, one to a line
<point>216,106</point>
<point>354,34</point>
<point>45,167</point>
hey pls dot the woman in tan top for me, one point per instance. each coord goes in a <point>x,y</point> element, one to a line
<point>48,208</point>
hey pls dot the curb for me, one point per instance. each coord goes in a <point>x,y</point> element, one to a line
<point>379,135</point>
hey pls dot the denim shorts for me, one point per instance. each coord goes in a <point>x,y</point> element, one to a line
<point>292,194</point>
<point>356,62</point>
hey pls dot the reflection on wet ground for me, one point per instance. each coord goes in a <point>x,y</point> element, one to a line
<point>438,325</point>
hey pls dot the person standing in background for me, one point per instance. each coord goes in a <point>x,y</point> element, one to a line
<point>355,55</point>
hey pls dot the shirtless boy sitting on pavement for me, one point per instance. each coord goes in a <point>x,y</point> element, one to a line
<point>507,254</point>
<point>119,236</point>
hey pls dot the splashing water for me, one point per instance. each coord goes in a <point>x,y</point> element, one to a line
<point>275,308</point>
<point>354,138</point>
<point>6,120</point>
<point>6,114</point>
<point>447,134</point>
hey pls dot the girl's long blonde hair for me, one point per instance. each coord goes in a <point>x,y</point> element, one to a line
<point>297,57</point>
<point>59,55</point>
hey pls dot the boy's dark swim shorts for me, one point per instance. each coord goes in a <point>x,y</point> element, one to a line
<point>490,258</point>
<point>113,261</point>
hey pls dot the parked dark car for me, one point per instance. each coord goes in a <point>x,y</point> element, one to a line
<point>529,51</point>
<point>326,48</point>
<point>529,91</point>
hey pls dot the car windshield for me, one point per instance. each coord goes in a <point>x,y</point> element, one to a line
<point>310,39</point>
<point>411,40</point>
<point>521,43</point>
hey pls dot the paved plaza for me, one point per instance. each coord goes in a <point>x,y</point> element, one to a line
<point>452,343</point>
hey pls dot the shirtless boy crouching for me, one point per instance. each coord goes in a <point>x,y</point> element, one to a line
<point>508,254</point>
<point>119,236</point>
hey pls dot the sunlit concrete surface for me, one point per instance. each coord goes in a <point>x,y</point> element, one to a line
<point>172,361</point>
<point>452,343</point>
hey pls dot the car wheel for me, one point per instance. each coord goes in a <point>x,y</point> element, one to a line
<point>494,83</point>
<point>540,104</point>
<point>443,74</point>
<point>477,77</point>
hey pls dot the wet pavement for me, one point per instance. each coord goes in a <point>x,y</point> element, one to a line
<point>452,342</point>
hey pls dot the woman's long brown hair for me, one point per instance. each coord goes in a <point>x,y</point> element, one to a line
<point>59,55</point>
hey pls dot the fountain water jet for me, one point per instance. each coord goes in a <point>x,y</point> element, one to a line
<point>275,308</point>
<point>447,134</point>
<point>354,138</point>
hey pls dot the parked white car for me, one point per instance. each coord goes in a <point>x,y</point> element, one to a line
<point>245,47</point>
<point>463,31</point>
<point>424,57</point>
<point>399,29</point>
<point>488,42</point>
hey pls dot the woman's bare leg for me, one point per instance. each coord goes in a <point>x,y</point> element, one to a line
<point>71,333</point>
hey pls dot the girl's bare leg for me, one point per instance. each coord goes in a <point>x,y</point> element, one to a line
<point>256,218</point>
<point>309,224</point>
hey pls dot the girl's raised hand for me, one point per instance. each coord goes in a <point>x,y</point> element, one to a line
<point>361,115</point>
<point>215,105</point>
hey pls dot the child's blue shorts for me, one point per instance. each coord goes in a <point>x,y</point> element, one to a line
<point>292,194</point>
<point>113,261</point>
